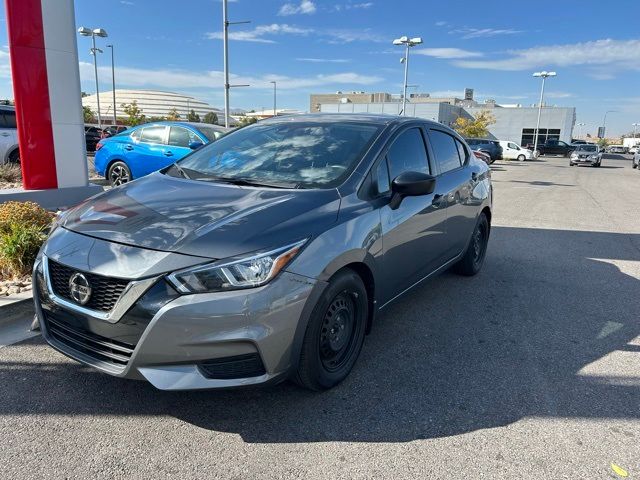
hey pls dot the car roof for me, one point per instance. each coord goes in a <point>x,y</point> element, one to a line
<point>371,118</point>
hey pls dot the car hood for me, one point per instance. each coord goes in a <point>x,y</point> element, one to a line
<point>206,219</point>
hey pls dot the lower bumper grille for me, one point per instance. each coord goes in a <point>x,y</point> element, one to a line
<point>239,366</point>
<point>98,347</point>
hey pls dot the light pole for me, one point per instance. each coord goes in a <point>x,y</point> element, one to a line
<point>113,84</point>
<point>407,42</point>
<point>635,127</point>
<point>544,75</point>
<point>604,122</point>
<point>274,96</point>
<point>580,125</point>
<point>96,32</point>
<point>225,56</point>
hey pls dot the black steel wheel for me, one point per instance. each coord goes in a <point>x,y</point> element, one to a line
<point>334,334</point>
<point>473,258</point>
<point>119,174</point>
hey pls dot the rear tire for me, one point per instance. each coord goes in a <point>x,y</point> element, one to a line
<point>473,258</point>
<point>118,174</point>
<point>521,158</point>
<point>335,333</point>
<point>14,157</point>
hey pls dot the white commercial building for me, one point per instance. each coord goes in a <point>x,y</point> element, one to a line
<point>153,103</point>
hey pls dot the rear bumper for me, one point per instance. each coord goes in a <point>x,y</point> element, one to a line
<point>205,341</point>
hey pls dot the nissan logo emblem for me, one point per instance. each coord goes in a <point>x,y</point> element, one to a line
<point>80,288</point>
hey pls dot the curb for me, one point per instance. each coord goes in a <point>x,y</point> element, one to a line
<point>16,308</point>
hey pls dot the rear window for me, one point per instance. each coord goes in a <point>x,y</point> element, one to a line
<point>153,134</point>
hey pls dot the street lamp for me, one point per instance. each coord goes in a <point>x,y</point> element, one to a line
<point>604,122</point>
<point>580,125</point>
<point>544,75</point>
<point>225,55</point>
<point>113,83</point>
<point>274,96</point>
<point>96,32</point>
<point>635,127</point>
<point>407,42</point>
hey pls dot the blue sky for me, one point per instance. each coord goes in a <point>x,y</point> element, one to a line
<point>323,46</point>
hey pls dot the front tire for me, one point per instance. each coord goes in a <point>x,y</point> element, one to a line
<point>335,333</point>
<point>118,174</point>
<point>473,259</point>
<point>521,158</point>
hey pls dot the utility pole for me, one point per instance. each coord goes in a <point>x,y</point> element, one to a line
<point>225,55</point>
<point>113,83</point>
<point>544,76</point>
<point>274,97</point>
<point>407,42</point>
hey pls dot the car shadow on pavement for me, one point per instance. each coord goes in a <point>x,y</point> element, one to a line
<point>536,333</point>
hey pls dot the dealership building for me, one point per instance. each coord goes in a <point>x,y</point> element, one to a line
<point>515,123</point>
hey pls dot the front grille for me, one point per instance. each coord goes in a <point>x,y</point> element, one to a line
<point>95,346</point>
<point>239,366</point>
<point>105,291</point>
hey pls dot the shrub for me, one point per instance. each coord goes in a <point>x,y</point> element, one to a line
<point>23,227</point>
<point>10,173</point>
<point>19,247</point>
<point>23,213</point>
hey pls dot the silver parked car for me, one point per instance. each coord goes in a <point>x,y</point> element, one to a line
<point>265,255</point>
<point>9,152</point>
<point>587,154</point>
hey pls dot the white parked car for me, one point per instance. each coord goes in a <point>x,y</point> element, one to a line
<point>634,149</point>
<point>513,151</point>
<point>9,152</point>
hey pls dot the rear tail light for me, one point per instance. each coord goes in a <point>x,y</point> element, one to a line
<point>99,145</point>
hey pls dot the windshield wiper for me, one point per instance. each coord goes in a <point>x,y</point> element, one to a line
<point>250,183</point>
<point>181,171</point>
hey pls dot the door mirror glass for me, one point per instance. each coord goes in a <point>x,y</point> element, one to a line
<point>411,184</point>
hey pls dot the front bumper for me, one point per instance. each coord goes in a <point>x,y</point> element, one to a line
<point>585,161</point>
<point>185,342</point>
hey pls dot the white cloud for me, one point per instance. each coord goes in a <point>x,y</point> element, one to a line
<point>185,79</point>
<point>259,33</point>
<point>338,7</point>
<point>620,53</point>
<point>446,52</point>
<point>324,60</point>
<point>467,33</point>
<point>127,2</point>
<point>306,7</point>
<point>441,23</point>
<point>339,36</point>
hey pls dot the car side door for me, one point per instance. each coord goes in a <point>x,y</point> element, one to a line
<point>413,234</point>
<point>179,140</point>
<point>146,154</point>
<point>454,187</point>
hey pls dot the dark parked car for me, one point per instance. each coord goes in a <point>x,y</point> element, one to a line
<point>488,146</point>
<point>555,147</point>
<point>92,136</point>
<point>264,255</point>
<point>112,130</point>
<point>483,156</point>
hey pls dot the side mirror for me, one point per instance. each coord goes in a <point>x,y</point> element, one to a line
<point>411,184</point>
<point>195,145</point>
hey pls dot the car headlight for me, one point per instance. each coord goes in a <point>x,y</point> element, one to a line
<point>574,156</point>
<point>235,274</point>
<point>594,157</point>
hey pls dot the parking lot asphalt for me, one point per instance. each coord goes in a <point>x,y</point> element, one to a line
<point>528,370</point>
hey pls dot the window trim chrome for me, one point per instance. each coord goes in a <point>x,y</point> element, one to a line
<point>132,292</point>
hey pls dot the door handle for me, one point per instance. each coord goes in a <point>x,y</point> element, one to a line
<point>4,134</point>
<point>474,175</point>
<point>168,153</point>
<point>128,147</point>
<point>437,200</point>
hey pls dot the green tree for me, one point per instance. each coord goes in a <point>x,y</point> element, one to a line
<point>475,127</point>
<point>173,115</point>
<point>156,119</point>
<point>245,120</point>
<point>87,113</point>
<point>134,114</point>
<point>211,118</point>
<point>192,116</point>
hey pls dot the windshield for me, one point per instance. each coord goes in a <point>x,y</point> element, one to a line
<point>587,148</point>
<point>300,154</point>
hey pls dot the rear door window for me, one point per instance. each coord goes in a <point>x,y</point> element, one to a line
<point>153,134</point>
<point>182,137</point>
<point>7,119</point>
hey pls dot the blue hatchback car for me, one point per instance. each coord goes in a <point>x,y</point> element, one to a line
<point>146,148</point>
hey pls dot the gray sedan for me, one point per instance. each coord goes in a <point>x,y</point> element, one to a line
<point>265,255</point>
